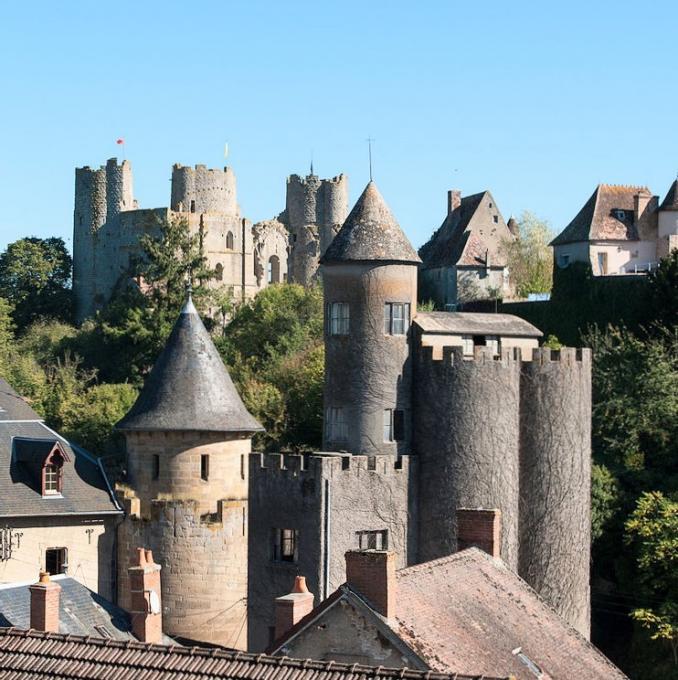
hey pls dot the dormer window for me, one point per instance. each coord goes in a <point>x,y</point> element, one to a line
<point>52,472</point>
<point>620,214</point>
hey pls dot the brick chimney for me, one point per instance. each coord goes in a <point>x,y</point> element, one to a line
<point>453,200</point>
<point>372,573</point>
<point>480,529</point>
<point>291,608</point>
<point>45,604</point>
<point>146,609</point>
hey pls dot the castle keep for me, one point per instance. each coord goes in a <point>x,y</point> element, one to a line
<point>108,225</point>
<point>428,417</point>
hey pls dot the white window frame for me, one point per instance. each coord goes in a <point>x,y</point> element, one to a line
<point>396,318</point>
<point>494,342</point>
<point>339,318</point>
<point>336,424</point>
<point>467,345</point>
<point>388,425</point>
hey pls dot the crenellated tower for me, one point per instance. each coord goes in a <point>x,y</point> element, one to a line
<point>314,212</point>
<point>370,286</point>
<point>203,190</point>
<point>188,438</point>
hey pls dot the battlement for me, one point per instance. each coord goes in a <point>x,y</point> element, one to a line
<point>325,464</point>
<point>564,355</point>
<point>314,180</point>
<point>201,167</point>
<point>452,354</point>
<point>201,189</point>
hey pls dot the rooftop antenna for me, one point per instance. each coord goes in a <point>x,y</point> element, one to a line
<point>369,141</point>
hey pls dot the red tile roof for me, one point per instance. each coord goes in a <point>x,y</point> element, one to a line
<point>33,654</point>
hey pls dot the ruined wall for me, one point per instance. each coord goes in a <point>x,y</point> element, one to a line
<point>327,498</point>
<point>204,566</point>
<point>367,371</point>
<point>466,433</point>
<point>270,252</point>
<point>555,524</point>
<point>202,189</point>
<point>315,209</point>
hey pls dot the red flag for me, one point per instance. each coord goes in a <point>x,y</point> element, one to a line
<point>120,141</point>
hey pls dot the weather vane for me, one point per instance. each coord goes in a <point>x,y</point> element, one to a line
<point>369,141</point>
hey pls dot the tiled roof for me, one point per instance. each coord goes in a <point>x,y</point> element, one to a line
<point>473,323</point>
<point>189,387</point>
<point>600,220</point>
<point>32,654</point>
<point>470,611</point>
<point>462,240</point>
<point>13,406</point>
<point>81,611</point>
<point>370,233</point>
<point>85,487</point>
<point>671,200</point>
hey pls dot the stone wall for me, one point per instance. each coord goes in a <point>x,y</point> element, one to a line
<point>204,566</point>
<point>203,190</point>
<point>328,499</point>
<point>89,542</point>
<point>555,480</point>
<point>366,370</point>
<point>467,433</point>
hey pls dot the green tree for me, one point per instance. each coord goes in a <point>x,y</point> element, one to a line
<point>35,276</point>
<point>652,530</point>
<point>663,289</point>
<point>6,335</point>
<point>604,499</point>
<point>529,256</point>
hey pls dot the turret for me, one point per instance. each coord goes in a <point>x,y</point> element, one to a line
<point>119,191</point>
<point>204,190</point>
<point>188,437</point>
<point>370,286</point>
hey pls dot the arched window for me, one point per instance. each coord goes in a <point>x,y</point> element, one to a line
<point>52,471</point>
<point>219,270</point>
<point>229,240</point>
<point>274,269</point>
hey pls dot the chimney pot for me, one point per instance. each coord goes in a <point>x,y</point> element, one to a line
<point>141,557</point>
<point>372,574</point>
<point>291,608</point>
<point>145,598</point>
<point>480,528</point>
<point>149,557</point>
<point>45,604</point>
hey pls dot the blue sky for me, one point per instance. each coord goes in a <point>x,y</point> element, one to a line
<point>536,101</point>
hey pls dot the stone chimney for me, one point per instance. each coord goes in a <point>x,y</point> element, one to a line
<point>291,608</point>
<point>45,604</point>
<point>640,203</point>
<point>145,596</point>
<point>372,573</point>
<point>453,200</point>
<point>480,529</point>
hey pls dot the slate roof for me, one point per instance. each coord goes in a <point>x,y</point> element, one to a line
<point>24,441</point>
<point>598,221</point>
<point>472,323</point>
<point>30,655</point>
<point>671,200</point>
<point>189,387</point>
<point>81,611</point>
<point>461,241</point>
<point>370,233</point>
<point>470,612</point>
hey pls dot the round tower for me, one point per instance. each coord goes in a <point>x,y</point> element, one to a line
<point>204,190</point>
<point>188,438</point>
<point>335,209</point>
<point>555,480</point>
<point>88,217</point>
<point>370,287</point>
<point>119,191</point>
<point>467,434</point>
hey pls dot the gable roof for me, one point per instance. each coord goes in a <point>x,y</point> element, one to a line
<point>598,220</point>
<point>462,240</point>
<point>469,612</point>
<point>13,406</point>
<point>34,654</point>
<point>189,387</point>
<point>370,233</point>
<point>670,202</point>
<point>81,611</point>
<point>474,323</point>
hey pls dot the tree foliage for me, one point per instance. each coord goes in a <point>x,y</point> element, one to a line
<point>35,275</point>
<point>529,256</point>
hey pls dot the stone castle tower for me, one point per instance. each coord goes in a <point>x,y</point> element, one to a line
<point>412,437</point>
<point>314,212</point>
<point>188,439</point>
<point>370,289</point>
<point>108,225</point>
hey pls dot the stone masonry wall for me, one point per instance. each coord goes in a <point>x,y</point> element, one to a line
<point>328,499</point>
<point>466,432</point>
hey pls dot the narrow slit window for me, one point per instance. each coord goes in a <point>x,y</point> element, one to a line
<point>156,466</point>
<point>204,467</point>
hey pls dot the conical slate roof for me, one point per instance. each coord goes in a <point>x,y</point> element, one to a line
<point>671,200</point>
<point>189,387</point>
<point>370,233</point>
